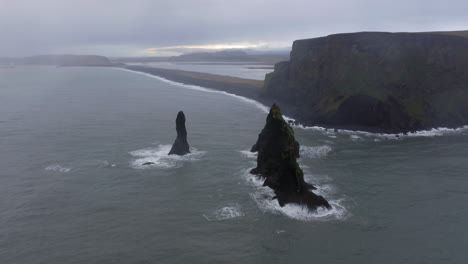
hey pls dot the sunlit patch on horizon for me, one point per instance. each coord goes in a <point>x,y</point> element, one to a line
<point>212,47</point>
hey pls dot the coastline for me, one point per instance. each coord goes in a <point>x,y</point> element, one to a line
<point>250,89</point>
<point>239,86</point>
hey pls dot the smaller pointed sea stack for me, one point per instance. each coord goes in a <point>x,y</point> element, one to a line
<point>180,146</point>
<point>276,163</point>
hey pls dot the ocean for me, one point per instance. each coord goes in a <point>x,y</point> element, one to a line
<point>74,190</point>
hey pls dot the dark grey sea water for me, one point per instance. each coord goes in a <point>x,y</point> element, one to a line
<point>73,190</point>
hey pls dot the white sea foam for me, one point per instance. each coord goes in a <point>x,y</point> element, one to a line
<point>435,132</point>
<point>159,158</point>
<point>355,138</point>
<point>224,213</point>
<point>324,189</point>
<point>95,163</point>
<point>304,151</point>
<point>263,197</point>
<point>320,179</point>
<point>357,135</point>
<point>264,200</point>
<point>314,152</point>
<point>441,131</point>
<point>57,168</point>
<point>249,154</point>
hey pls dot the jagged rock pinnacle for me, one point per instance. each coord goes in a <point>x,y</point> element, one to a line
<point>276,162</point>
<point>180,146</point>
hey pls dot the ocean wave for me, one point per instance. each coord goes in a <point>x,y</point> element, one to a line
<point>259,105</point>
<point>224,213</point>
<point>96,163</point>
<point>357,135</point>
<point>304,151</point>
<point>314,152</point>
<point>434,132</point>
<point>263,197</point>
<point>57,168</point>
<point>249,154</point>
<point>158,157</point>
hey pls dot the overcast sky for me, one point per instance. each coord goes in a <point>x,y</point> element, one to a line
<point>157,27</point>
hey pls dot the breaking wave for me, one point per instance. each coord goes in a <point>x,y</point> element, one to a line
<point>158,157</point>
<point>358,135</point>
<point>249,154</point>
<point>96,163</point>
<point>225,213</point>
<point>263,198</point>
<point>314,152</point>
<point>57,168</point>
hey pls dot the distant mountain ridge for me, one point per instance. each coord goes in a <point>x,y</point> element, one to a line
<point>220,56</point>
<point>61,60</point>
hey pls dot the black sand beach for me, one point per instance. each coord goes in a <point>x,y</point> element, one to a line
<point>238,86</point>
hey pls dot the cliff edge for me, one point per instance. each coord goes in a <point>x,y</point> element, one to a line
<point>374,81</point>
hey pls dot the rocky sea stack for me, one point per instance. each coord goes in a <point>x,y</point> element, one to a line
<point>375,81</point>
<point>276,163</point>
<point>180,146</point>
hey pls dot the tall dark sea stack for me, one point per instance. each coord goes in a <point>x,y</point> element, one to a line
<point>180,146</point>
<point>276,162</point>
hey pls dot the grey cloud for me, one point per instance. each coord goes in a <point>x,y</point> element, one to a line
<point>119,28</point>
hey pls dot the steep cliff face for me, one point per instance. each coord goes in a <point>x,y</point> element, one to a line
<point>375,81</point>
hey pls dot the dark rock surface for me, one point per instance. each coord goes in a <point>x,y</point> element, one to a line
<point>276,162</point>
<point>180,146</point>
<point>375,81</point>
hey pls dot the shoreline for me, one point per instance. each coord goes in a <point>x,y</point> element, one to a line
<point>250,89</point>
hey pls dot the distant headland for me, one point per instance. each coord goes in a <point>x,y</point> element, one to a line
<point>62,61</point>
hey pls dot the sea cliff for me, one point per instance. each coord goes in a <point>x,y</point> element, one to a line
<point>374,81</point>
